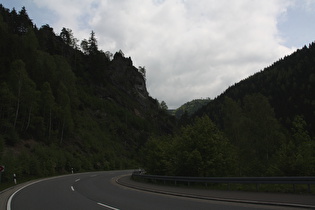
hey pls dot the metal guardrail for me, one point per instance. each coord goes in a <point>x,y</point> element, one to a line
<point>231,180</point>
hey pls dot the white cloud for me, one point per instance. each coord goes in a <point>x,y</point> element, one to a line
<point>191,49</point>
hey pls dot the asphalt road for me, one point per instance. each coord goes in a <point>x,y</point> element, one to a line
<point>98,190</point>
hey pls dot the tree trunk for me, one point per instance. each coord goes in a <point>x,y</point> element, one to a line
<point>63,127</point>
<point>29,118</point>
<point>49,128</point>
<point>18,102</point>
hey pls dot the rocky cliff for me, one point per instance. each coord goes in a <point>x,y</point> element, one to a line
<point>127,78</point>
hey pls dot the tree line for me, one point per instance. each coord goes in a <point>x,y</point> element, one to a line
<point>67,106</point>
<point>251,142</point>
<point>267,120</point>
<point>61,107</point>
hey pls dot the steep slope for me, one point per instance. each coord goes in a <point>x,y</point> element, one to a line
<point>269,118</point>
<point>65,107</point>
<point>289,85</point>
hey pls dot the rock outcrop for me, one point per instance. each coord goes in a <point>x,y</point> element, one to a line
<point>127,78</point>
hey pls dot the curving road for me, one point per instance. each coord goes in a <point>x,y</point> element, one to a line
<point>98,190</point>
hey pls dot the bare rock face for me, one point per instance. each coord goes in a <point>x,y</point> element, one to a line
<point>127,78</point>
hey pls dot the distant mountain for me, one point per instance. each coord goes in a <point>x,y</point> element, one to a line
<point>189,108</point>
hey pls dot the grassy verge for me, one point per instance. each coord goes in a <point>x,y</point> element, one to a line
<point>6,185</point>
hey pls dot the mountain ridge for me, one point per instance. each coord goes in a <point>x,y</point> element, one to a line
<point>67,107</point>
<point>281,83</point>
<point>260,126</point>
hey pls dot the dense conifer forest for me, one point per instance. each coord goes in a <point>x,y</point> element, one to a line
<point>266,123</point>
<point>67,105</point>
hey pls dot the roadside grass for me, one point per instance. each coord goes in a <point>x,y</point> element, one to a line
<point>9,184</point>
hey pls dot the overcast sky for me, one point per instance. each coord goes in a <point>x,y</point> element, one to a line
<point>190,49</point>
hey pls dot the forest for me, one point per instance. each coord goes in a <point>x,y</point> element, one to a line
<point>67,105</point>
<point>266,123</point>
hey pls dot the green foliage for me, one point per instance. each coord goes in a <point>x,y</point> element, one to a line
<point>7,108</point>
<point>142,70</point>
<point>62,108</point>
<point>269,117</point>
<point>199,149</point>
<point>1,145</point>
<point>67,36</point>
<point>24,90</point>
<point>261,130</point>
<point>296,157</point>
<point>252,127</point>
<point>163,106</point>
<point>203,141</point>
<point>288,84</point>
<point>90,47</point>
<point>190,108</point>
<point>155,156</point>
<point>264,146</point>
<point>299,130</point>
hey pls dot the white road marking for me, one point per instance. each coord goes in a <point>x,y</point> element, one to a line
<point>11,197</point>
<point>77,180</point>
<point>72,188</point>
<point>110,207</point>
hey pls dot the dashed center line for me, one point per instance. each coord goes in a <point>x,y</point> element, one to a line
<point>107,206</point>
<point>101,204</point>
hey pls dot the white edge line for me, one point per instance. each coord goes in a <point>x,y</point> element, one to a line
<point>45,179</point>
<point>11,197</point>
<point>72,188</point>
<point>35,182</point>
<point>110,207</point>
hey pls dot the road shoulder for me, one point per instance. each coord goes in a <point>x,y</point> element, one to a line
<point>262,198</point>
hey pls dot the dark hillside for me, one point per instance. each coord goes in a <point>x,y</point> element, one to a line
<point>64,106</point>
<point>270,118</point>
<point>261,126</point>
<point>189,108</point>
<point>289,85</point>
